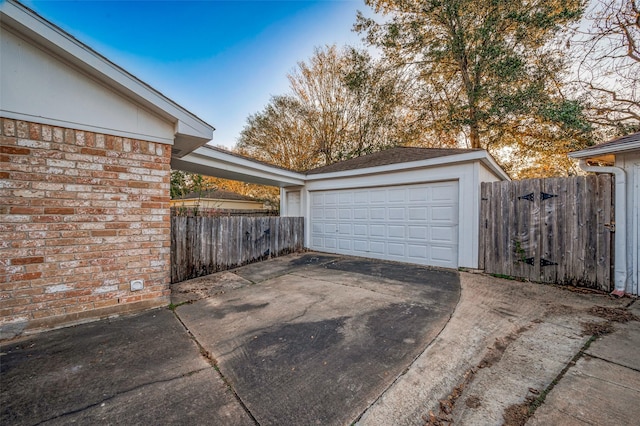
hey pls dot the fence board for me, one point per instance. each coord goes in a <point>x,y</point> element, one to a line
<point>549,230</point>
<point>203,245</point>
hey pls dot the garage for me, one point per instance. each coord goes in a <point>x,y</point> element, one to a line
<point>408,223</point>
<point>405,204</point>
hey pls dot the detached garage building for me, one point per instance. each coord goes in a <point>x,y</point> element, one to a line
<point>416,205</point>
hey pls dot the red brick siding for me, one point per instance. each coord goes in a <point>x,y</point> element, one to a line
<point>81,214</point>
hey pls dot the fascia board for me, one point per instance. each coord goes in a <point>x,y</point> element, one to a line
<point>432,162</point>
<point>56,40</point>
<point>241,165</point>
<point>613,149</point>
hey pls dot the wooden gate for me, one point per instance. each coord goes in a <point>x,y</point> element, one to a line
<point>549,230</point>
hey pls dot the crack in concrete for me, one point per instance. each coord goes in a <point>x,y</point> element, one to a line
<point>212,361</point>
<point>124,392</point>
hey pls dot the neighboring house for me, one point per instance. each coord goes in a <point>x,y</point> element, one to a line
<point>621,157</point>
<point>85,160</point>
<point>219,200</point>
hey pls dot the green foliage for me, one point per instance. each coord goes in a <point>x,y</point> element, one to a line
<point>489,71</point>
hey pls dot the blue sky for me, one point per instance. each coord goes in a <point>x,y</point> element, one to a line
<point>221,60</point>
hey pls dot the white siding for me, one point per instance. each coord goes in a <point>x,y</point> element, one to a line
<point>36,86</point>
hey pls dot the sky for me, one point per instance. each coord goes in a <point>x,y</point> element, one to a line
<point>220,60</point>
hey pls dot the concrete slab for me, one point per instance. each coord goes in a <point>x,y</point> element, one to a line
<point>621,347</point>
<point>497,321</point>
<point>276,267</point>
<point>319,345</point>
<point>533,357</point>
<point>210,285</point>
<point>593,392</point>
<point>135,369</point>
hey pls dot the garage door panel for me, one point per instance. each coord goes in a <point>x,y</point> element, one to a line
<point>443,234</point>
<point>361,230</point>
<point>360,214</point>
<point>344,244</point>
<point>377,247</point>
<point>330,228</point>
<point>377,231</point>
<point>330,214</point>
<point>330,199</point>
<point>396,231</point>
<point>397,250</point>
<point>378,196</point>
<point>344,229</point>
<point>413,223</point>
<point>361,197</point>
<point>418,232</point>
<point>448,192</point>
<point>418,195</point>
<point>397,196</point>
<point>418,213</point>
<point>397,213</point>
<point>418,252</point>
<point>361,246</point>
<point>442,254</point>
<point>345,214</point>
<point>377,213</point>
<point>330,243</point>
<point>442,213</point>
<point>345,197</point>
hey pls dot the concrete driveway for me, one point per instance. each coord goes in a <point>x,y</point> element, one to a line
<point>316,339</point>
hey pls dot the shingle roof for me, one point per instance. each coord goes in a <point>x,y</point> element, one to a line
<point>217,194</point>
<point>390,156</point>
<point>625,143</point>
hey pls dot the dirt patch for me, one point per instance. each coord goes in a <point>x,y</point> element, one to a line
<point>443,418</point>
<point>597,328</point>
<point>516,414</point>
<point>621,315</point>
<point>560,310</point>
<point>493,355</point>
<point>499,346</point>
<point>207,286</point>
<point>473,401</point>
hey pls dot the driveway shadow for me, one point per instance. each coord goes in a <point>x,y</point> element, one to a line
<point>318,342</point>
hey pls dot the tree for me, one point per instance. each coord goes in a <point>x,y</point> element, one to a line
<point>342,104</point>
<point>607,50</point>
<point>490,75</point>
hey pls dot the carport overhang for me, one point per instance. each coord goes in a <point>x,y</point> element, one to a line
<point>216,162</point>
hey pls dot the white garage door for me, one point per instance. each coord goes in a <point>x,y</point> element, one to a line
<point>411,223</point>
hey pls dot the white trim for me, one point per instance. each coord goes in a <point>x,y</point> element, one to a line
<point>79,126</point>
<point>210,161</point>
<point>612,149</point>
<point>420,164</point>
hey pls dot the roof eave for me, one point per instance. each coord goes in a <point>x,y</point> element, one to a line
<point>32,26</point>
<point>598,152</point>
<point>480,155</point>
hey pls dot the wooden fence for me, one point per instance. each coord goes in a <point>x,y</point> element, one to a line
<point>549,230</point>
<point>204,245</point>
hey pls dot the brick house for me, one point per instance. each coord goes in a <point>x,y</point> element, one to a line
<point>84,179</point>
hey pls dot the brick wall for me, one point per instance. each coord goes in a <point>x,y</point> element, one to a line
<point>81,215</point>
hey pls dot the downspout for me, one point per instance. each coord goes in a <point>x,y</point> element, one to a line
<point>620,235</point>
